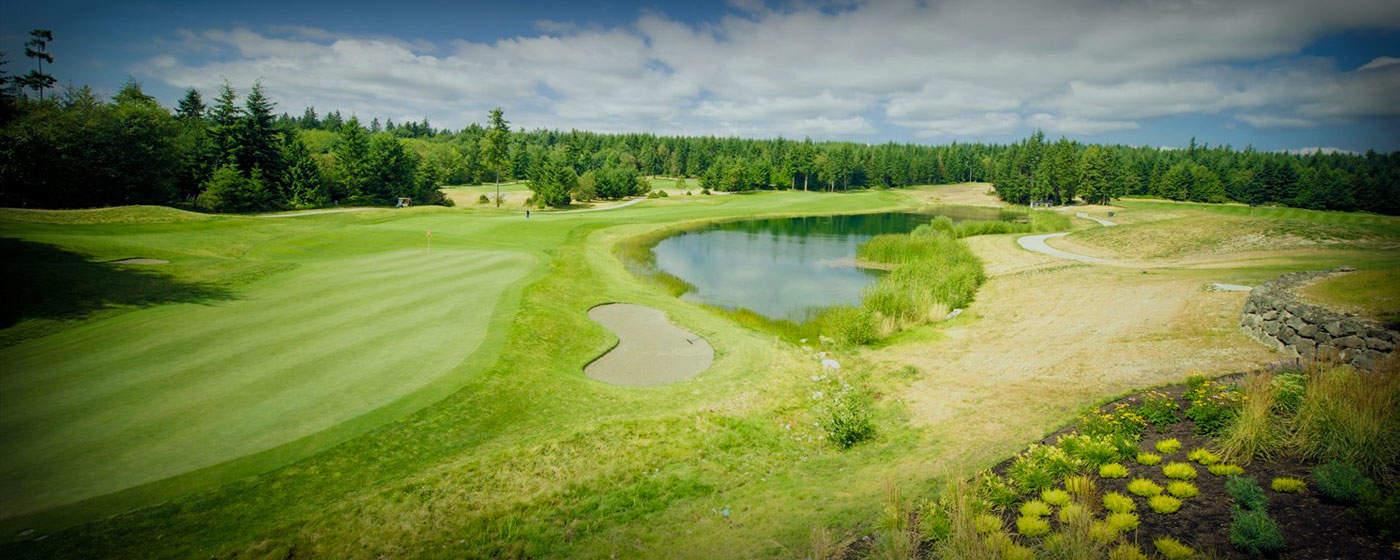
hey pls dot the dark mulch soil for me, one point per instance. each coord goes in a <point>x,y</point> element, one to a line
<point>1312,526</point>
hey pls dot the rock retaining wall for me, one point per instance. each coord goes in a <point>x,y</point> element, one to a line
<point>1275,316</point>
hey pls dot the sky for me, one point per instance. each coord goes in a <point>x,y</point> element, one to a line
<point>1275,75</point>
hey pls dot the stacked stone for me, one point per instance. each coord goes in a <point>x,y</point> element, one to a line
<point>1274,315</point>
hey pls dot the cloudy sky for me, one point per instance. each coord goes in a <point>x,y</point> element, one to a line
<point>1276,74</point>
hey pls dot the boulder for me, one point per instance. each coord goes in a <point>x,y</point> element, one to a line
<point>1353,342</point>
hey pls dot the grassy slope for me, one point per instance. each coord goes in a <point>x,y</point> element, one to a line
<point>530,457</point>
<point>1372,293</point>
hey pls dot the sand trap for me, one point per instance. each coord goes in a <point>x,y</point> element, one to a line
<point>139,261</point>
<point>650,349</point>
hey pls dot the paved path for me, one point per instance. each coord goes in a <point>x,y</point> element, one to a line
<point>1037,243</point>
<point>612,207</point>
<point>1101,221</point>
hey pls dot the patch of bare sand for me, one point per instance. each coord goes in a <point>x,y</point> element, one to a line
<point>961,194</point>
<point>651,350</point>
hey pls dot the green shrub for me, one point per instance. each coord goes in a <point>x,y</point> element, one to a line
<point>1113,470</point>
<point>1148,459</point>
<point>1035,508</point>
<point>1055,497</point>
<point>1289,389</point>
<point>1182,489</point>
<point>1288,485</point>
<point>1253,531</point>
<point>1032,527</point>
<point>1144,487</point>
<point>1223,469</point>
<point>1247,492</point>
<point>1158,409</point>
<point>483,199</point>
<point>1162,503</point>
<point>1120,420</point>
<point>1172,549</point>
<point>847,418</point>
<point>1079,486</point>
<point>1039,467</point>
<point>1257,431</point>
<point>1091,451</point>
<point>1118,503</point>
<point>1342,482</point>
<point>1168,446</point>
<point>987,523</point>
<point>996,491</point>
<point>1127,551</point>
<point>1213,406</point>
<point>1122,522</point>
<point>1179,471</point>
<point>1380,510</point>
<point>1352,419</point>
<point>1203,456</point>
<point>1071,511</point>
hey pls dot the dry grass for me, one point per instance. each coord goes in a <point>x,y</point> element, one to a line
<point>1258,432</point>
<point>1351,417</point>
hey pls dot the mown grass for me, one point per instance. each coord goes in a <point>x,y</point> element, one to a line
<point>1371,293</point>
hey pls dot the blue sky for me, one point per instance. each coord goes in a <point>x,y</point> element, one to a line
<point>1275,75</point>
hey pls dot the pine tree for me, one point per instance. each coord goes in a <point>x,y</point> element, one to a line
<point>494,147</point>
<point>302,183</point>
<point>351,152</point>
<point>37,48</point>
<point>224,125</point>
<point>258,138</point>
<point>191,106</point>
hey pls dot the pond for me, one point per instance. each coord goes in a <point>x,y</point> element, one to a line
<point>781,268</point>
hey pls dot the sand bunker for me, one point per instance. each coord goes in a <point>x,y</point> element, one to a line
<point>650,349</point>
<point>139,261</point>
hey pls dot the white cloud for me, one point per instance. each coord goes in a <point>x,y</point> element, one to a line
<point>1310,150</point>
<point>960,68</point>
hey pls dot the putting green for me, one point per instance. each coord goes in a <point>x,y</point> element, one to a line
<point>165,390</point>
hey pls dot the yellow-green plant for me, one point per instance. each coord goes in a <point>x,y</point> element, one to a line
<point>1035,508</point>
<point>1352,418</point>
<point>1001,545</point>
<point>1288,485</point>
<point>1168,446</point>
<point>1127,551</point>
<point>1118,503</point>
<point>1172,549</point>
<point>1225,469</point>
<point>1113,470</point>
<point>1164,504</point>
<point>1144,487</point>
<point>1080,487</point>
<point>1072,511</point>
<point>1257,431</point>
<point>1203,456</point>
<point>1032,526</point>
<point>987,523</point>
<point>1148,459</point>
<point>1055,497</point>
<point>1122,522</point>
<point>1182,489</point>
<point>1179,471</point>
<point>1102,532</point>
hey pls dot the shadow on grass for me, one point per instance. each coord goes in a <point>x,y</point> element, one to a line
<point>46,282</point>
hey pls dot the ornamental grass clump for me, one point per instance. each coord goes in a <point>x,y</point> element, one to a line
<point>1122,522</point>
<point>1247,492</point>
<point>1080,487</point>
<point>1203,456</point>
<point>1148,459</point>
<point>1071,511</point>
<point>1343,483</point>
<point>1172,549</point>
<point>1179,471</point>
<point>1224,469</point>
<point>1118,503</point>
<point>1258,432</point>
<point>1163,504</point>
<point>1182,489</point>
<point>1032,526</point>
<point>1055,497</point>
<point>987,523</point>
<point>1168,446</point>
<point>1035,508</point>
<point>1288,485</point>
<point>1113,470</point>
<point>1144,487</point>
<point>1351,418</point>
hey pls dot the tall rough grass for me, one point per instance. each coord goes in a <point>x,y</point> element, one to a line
<point>934,273</point>
<point>964,541</point>
<point>1351,417</point>
<point>1257,431</point>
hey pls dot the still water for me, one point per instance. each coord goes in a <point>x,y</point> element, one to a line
<point>782,268</point>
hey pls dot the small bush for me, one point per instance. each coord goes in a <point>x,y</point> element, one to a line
<point>1118,503</point>
<point>1203,456</point>
<point>1342,482</point>
<point>1179,471</point>
<point>1253,531</point>
<point>1144,487</point>
<point>1288,485</point>
<point>1223,469</point>
<point>1035,508</point>
<point>1127,551</point>
<point>1089,450</point>
<point>1055,497</point>
<point>1113,470</point>
<point>1168,446</point>
<point>1163,504</point>
<point>1213,406</point>
<point>1172,549</point>
<point>483,199</point>
<point>1257,432</point>
<point>1247,492</point>
<point>996,491</point>
<point>1032,527</point>
<point>1070,512</point>
<point>1103,533</point>
<point>1350,418</point>
<point>1148,459</point>
<point>1182,489</point>
<point>1380,511</point>
<point>1079,486</point>
<point>1039,467</point>
<point>987,523</point>
<point>1000,545</point>
<point>1122,521</point>
<point>1158,409</point>
<point>847,419</point>
<point>1289,389</point>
